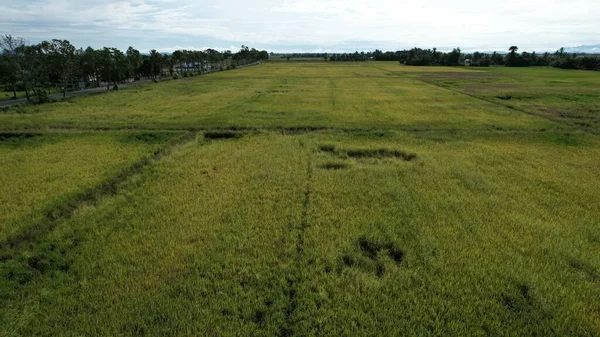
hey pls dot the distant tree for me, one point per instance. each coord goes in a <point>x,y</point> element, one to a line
<point>167,62</point>
<point>435,57</point>
<point>155,63</point>
<point>178,59</point>
<point>264,55</point>
<point>454,57</point>
<point>33,67</point>
<point>10,61</point>
<point>36,67</point>
<point>105,65</point>
<point>122,69</point>
<point>135,61</point>
<point>8,74</point>
<point>497,59</point>
<point>88,63</point>
<point>113,66</point>
<point>515,60</point>
<point>62,58</point>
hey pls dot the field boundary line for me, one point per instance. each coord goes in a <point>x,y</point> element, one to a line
<point>284,130</point>
<point>109,187</point>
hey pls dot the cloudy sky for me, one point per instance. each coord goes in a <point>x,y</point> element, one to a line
<point>306,25</point>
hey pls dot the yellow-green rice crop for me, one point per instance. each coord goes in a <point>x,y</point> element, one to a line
<point>308,199</point>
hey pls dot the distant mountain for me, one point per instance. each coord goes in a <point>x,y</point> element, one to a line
<point>589,49</point>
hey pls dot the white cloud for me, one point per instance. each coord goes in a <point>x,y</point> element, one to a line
<point>309,24</point>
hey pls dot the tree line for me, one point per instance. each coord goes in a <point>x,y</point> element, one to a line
<point>34,68</point>
<point>299,55</point>
<point>433,57</point>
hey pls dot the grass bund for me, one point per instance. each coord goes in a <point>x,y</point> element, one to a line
<point>307,199</point>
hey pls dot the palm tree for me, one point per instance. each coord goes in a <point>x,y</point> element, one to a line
<point>513,50</point>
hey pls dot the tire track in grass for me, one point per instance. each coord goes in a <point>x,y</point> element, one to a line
<point>92,196</point>
<point>294,278</point>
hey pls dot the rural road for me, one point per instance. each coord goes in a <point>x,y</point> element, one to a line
<point>58,96</point>
<point>73,93</point>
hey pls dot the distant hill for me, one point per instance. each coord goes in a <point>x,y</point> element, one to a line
<point>590,49</point>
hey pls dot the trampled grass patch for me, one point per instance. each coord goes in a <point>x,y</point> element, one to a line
<point>379,153</point>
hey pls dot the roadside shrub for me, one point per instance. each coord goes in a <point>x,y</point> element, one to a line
<point>42,96</point>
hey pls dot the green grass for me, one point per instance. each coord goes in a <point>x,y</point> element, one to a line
<point>317,199</point>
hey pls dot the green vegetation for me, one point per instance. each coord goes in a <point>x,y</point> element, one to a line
<point>274,95</point>
<point>433,57</point>
<point>306,199</point>
<point>58,65</point>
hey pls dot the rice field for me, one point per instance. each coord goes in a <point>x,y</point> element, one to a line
<point>305,199</point>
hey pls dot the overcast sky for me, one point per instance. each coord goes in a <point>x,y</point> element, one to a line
<point>307,25</point>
